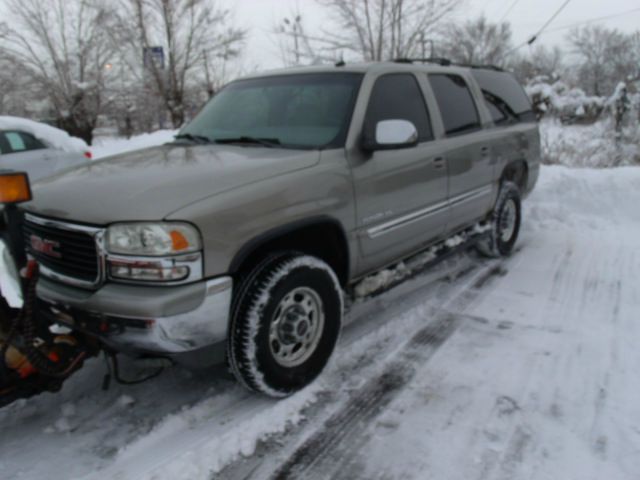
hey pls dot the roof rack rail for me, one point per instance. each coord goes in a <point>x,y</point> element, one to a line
<point>439,60</point>
<point>445,62</point>
<point>482,66</point>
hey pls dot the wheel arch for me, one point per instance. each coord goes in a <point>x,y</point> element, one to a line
<point>517,172</point>
<point>322,236</point>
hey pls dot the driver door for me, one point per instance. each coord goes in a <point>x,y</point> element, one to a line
<point>401,194</point>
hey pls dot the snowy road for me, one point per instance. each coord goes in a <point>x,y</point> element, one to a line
<point>524,368</point>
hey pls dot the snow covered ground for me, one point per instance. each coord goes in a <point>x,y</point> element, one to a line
<point>523,368</point>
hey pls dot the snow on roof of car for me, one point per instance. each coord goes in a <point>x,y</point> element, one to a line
<point>53,137</point>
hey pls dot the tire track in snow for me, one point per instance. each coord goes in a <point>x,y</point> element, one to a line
<point>331,450</point>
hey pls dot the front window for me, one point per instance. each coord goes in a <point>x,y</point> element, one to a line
<point>306,111</point>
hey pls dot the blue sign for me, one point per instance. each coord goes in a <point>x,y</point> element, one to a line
<point>153,56</point>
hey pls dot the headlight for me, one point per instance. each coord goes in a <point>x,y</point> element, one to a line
<point>152,239</point>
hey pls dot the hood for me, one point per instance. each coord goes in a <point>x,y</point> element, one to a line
<point>152,183</point>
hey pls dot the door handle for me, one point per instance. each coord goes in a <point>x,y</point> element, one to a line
<point>439,163</point>
<point>484,151</point>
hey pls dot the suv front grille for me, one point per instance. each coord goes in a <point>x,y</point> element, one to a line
<point>63,250</point>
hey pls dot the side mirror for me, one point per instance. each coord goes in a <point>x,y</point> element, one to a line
<point>14,188</point>
<point>391,135</point>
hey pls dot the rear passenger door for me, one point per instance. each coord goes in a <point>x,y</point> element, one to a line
<point>400,193</point>
<point>469,156</point>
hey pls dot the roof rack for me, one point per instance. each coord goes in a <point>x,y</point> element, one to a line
<point>438,60</point>
<point>482,66</point>
<point>445,62</point>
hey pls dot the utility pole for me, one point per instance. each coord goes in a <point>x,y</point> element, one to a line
<point>296,31</point>
<point>423,44</point>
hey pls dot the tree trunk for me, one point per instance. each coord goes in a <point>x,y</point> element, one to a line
<point>177,117</point>
<point>75,129</point>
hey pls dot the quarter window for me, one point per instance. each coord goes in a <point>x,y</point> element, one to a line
<point>398,97</point>
<point>505,98</point>
<point>456,104</point>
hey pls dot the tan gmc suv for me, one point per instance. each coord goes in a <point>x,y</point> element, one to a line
<point>236,241</point>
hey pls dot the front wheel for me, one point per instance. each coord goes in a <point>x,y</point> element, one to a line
<point>505,223</point>
<point>285,323</point>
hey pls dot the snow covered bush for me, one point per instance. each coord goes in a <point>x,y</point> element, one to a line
<point>579,130</point>
<point>571,105</point>
<point>592,145</point>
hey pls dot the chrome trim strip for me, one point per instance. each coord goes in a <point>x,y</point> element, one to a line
<point>72,227</point>
<point>405,220</point>
<point>473,194</point>
<point>412,217</point>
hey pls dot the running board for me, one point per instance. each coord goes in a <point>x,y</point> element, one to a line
<point>384,280</point>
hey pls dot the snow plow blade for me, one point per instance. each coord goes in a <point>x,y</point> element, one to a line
<point>33,359</point>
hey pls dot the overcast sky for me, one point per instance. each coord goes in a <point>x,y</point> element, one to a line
<point>527,16</point>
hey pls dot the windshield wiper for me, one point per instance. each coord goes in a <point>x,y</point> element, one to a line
<point>194,138</point>
<point>265,142</point>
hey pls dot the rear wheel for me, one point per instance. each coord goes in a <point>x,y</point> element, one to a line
<point>285,323</point>
<point>505,223</point>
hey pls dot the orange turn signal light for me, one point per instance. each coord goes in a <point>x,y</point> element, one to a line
<point>14,188</point>
<point>179,241</point>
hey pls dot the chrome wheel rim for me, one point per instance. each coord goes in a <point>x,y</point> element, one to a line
<point>296,327</point>
<point>508,221</point>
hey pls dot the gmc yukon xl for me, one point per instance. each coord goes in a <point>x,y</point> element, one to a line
<point>236,241</point>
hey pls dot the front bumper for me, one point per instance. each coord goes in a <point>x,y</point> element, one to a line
<point>139,319</point>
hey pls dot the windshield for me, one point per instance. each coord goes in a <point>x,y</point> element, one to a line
<point>292,111</point>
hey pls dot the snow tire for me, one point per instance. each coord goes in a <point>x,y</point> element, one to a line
<point>258,304</point>
<point>504,221</point>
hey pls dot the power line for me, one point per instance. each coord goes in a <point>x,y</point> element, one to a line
<point>593,20</point>
<point>535,37</point>
<point>539,32</point>
<point>506,14</point>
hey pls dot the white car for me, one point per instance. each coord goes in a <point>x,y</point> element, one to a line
<point>37,148</point>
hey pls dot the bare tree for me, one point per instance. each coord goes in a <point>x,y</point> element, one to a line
<point>180,41</point>
<point>375,30</point>
<point>541,61</point>
<point>605,56</point>
<point>63,47</point>
<point>478,41</point>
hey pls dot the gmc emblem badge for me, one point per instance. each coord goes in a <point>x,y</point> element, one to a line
<point>46,247</point>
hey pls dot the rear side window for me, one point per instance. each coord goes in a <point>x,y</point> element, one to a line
<point>457,107</point>
<point>19,142</point>
<point>398,97</point>
<point>504,96</point>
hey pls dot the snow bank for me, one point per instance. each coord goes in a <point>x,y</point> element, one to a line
<point>51,136</point>
<point>105,147</point>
